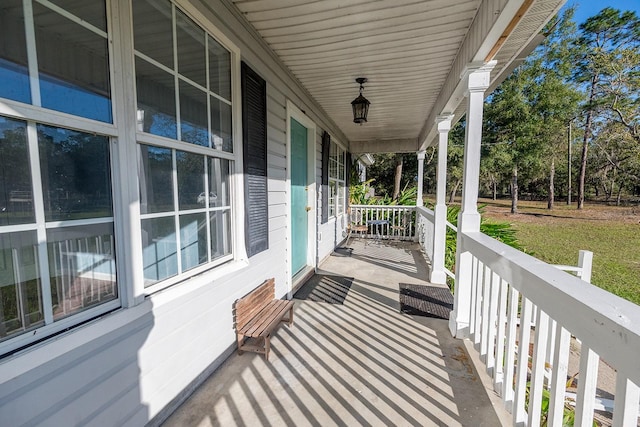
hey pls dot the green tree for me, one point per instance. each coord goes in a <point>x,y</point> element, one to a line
<point>605,52</point>
<point>527,115</point>
<point>455,160</point>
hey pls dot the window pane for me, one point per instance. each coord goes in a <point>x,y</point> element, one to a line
<point>193,240</point>
<point>332,198</point>
<point>221,137</point>
<point>220,223</point>
<point>191,193</point>
<point>333,168</point>
<point>156,100</point>
<point>20,297</point>
<point>16,196</point>
<point>219,69</point>
<point>76,174</point>
<point>340,197</point>
<point>74,67</point>
<point>14,73</point>
<point>153,30</point>
<point>156,184</point>
<point>191,51</point>
<point>94,12</point>
<point>82,267</point>
<point>193,115</point>
<point>159,249</point>
<point>219,182</point>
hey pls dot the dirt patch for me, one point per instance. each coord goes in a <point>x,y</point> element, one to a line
<point>537,212</point>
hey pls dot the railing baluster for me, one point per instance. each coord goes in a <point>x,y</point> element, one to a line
<point>587,380</point>
<point>474,285</point>
<point>486,303</point>
<point>625,409</point>
<point>538,367</point>
<point>493,318</point>
<point>518,410</point>
<point>551,342</point>
<point>558,384</point>
<point>510,348</point>
<point>498,375</point>
<point>478,290</point>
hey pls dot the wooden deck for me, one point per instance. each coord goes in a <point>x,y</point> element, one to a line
<point>352,357</point>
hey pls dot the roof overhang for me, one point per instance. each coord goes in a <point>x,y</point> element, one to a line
<point>413,52</point>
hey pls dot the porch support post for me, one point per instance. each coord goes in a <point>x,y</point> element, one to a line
<point>419,201</point>
<point>478,78</point>
<point>440,212</point>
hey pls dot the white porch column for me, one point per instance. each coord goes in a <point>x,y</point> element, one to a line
<point>419,201</point>
<point>440,211</point>
<point>478,78</point>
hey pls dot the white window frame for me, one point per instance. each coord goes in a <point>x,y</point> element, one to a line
<point>335,208</point>
<point>33,114</point>
<point>124,140</point>
<point>238,251</point>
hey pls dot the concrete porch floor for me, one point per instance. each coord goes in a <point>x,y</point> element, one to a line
<point>356,360</point>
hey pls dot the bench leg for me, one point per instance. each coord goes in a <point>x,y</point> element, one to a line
<point>290,316</point>
<point>267,346</point>
<point>240,339</point>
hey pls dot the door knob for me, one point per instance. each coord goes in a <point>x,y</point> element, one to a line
<point>308,208</point>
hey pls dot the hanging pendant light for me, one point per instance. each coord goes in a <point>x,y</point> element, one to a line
<point>360,104</point>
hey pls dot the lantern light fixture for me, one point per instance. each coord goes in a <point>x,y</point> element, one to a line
<point>360,105</point>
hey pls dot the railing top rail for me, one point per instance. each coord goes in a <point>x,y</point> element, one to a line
<point>607,323</point>
<point>398,207</point>
<point>425,211</point>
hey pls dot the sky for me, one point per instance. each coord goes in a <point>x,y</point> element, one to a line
<point>588,8</point>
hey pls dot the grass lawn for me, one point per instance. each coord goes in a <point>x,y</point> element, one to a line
<point>611,233</point>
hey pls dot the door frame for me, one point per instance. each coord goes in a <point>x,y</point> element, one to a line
<point>293,112</point>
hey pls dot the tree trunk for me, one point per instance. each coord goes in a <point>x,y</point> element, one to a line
<point>552,174</point>
<point>613,183</point>
<point>619,194</point>
<point>398,177</point>
<point>495,190</point>
<point>585,143</point>
<point>514,191</point>
<point>454,190</point>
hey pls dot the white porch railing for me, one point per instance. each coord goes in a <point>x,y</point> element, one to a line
<point>507,285</point>
<point>425,226</point>
<point>385,221</point>
<point>425,221</point>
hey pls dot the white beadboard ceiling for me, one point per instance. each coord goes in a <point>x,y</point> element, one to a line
<point>405,48</point>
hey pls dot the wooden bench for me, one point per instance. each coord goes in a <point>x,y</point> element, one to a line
<point>257,315</point>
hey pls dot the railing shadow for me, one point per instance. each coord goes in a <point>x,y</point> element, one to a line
<point>351,358</point>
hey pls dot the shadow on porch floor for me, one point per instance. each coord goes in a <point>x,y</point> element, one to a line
<point>351,358</point>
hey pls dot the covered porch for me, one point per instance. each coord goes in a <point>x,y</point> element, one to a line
<point>427,67</point>
<point>354,356</point>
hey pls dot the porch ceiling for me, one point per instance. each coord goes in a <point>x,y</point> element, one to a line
<point>406,48</point>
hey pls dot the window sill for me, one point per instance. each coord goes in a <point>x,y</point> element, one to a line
<point>38,354</point>
<point>193,283</point>
<point>48,350</point>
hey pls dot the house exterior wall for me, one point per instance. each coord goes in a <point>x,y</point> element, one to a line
<point>331,234</point>
<point>133,365</point>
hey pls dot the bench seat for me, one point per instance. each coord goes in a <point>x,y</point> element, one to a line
<point>257,315</point>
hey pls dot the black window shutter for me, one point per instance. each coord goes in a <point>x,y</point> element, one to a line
<point>326,142</point>
<point>254,155</point>
<point>347,178</point>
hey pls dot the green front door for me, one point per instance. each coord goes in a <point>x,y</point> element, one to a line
<point>299,220</point>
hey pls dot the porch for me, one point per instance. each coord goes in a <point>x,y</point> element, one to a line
<point>352,357</point>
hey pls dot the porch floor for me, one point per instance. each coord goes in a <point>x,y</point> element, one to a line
<point>351,357</point>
